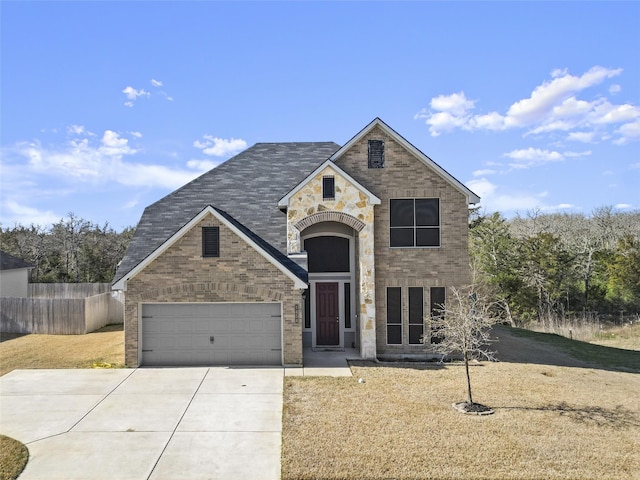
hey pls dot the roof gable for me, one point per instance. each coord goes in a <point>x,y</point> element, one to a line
<point>247,187</point>
<point>235,227</point>
<point>471,197</point>
<point>373,200</point>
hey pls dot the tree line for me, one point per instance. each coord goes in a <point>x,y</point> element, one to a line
<point>543,266</point>
<point>535,266</point>
<point>74,250</point>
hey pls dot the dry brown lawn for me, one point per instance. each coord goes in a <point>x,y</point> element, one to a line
<point>13,458</point>
<point>555,418</point>
<point>62,351</point>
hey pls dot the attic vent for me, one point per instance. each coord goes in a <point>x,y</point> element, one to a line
<point>376,153</point>
<point>210,241</point>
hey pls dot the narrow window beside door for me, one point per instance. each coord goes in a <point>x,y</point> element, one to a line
<point>436,305</point>
<point>416,320</point>
<point>210,241</point>
<point>394,316</point>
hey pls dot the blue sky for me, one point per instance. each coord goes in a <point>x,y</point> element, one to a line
<point>108,106</point>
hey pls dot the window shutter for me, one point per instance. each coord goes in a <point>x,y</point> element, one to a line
<point>210,241</point>
<point>376,153</point>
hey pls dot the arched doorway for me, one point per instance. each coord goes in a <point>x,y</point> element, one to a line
<point>330,320</point>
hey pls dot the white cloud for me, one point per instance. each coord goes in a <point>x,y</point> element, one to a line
<point>156,83</point>
<point>623,206</point>
<point>132,94</point>
<point>26,215</point>
<point>457,103</point>
<point>202,165</point>
<point>220,147</point>
<point>584,137</point>
<point>495,200</point>
<point>78,130</point>
<point>546,97</point>
<point>483,172</point>
<point>628,132</point>
<point>88,161</point>
<point>552,106</point>
<point>136,134</point>
<point>615,88</point>
<point>114,145</point>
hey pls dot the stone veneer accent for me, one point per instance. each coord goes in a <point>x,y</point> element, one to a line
<point>240,274</point>
<point>350,206</point>
<point>405,176</point>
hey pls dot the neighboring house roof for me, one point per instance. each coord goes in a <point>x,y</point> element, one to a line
<point>9,262</point>
<point>245,188</point>
<point>471,197</point>
<point>276,258</point>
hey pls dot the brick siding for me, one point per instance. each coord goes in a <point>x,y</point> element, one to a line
<point>240,274</point>
<point>405,176</point>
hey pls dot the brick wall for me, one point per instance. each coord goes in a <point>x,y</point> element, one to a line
<point>240,274</point>
<point>404,176</point>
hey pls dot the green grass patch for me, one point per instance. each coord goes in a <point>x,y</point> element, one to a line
<point>608,357</point>
<point>13,458</point>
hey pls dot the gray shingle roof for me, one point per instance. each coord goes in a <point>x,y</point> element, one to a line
<point>9,262</point>
<point>246,188</point>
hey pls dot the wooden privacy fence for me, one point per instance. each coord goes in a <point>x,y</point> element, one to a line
<point>61,309</point>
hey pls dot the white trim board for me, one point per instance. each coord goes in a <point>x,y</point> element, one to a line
<point>373,200</point>
<point>472,198</point>
<point>122,283</point>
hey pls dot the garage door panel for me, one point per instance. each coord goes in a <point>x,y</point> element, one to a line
<point>180,334</point>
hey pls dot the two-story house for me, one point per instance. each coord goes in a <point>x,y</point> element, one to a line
<point>294,245</point>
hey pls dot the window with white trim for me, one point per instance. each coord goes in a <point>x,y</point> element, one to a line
<point>414,222</point>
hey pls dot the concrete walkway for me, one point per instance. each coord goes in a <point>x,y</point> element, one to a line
<point>148,423</point>
<point>323,363</point>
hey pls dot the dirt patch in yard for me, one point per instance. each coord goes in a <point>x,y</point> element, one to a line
<point>555,418</point>
<point>62,351</point>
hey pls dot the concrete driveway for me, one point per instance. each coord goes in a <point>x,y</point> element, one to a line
<point>148,423</point>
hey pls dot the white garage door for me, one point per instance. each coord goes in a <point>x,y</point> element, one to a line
<point>211,334</point>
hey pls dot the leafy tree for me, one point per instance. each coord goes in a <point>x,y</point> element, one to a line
<point>72,250</point>
<point>494,258</point>
<point>624,273</point>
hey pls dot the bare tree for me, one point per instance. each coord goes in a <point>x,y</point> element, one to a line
<point>463,327</point>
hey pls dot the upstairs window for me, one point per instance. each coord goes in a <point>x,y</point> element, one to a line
<point>210,241</point>
<point>328,188</point>
<point>376,153</point>
<point>414,222</point>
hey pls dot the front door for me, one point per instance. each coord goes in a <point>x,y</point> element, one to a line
<point>327,314</point>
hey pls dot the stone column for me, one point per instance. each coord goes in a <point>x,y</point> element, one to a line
<point>367,280</point>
